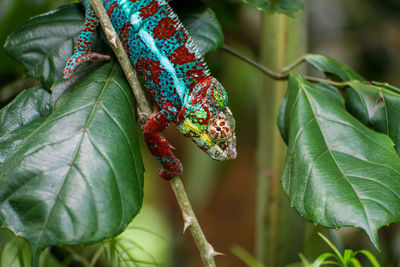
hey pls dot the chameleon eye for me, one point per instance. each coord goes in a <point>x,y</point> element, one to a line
<point>219,130</point>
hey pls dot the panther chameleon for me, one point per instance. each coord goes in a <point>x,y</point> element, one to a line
<point>175,74</point>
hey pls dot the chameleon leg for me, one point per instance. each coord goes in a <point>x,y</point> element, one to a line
<point>159,146</point>
<point>83,45</point>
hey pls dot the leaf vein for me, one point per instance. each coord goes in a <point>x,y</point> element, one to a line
<point>333,157</point>
<point>114,176</point>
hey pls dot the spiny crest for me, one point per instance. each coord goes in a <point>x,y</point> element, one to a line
<point>190,44</point>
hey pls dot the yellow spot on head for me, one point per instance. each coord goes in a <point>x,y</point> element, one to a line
<point>203,135</point>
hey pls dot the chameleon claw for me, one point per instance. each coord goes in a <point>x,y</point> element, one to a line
<point>172,147</point>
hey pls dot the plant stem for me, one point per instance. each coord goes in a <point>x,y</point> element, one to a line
<point>293,65</point>
<point>206,250</point>
<point>270,73</point>
<point>283,74</point>
<point>270,147</point>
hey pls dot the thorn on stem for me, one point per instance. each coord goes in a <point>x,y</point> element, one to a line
<point>212,252</point>
<point>188,221</point>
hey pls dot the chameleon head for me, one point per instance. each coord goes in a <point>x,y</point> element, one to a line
<point>207,121</point>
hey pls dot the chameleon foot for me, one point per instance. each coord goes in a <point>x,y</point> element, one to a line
<point>176,169</point>
<point>79,58</point>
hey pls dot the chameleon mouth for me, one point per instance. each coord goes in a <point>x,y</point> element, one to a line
<point>217,153</point>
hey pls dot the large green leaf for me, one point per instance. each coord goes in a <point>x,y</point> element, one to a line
<point>377,106</point>
<point>288,7</point>
<point>337,171</point>
<point>21,117</point>
<point>44,43</point>
<point>78,177</point>
<point>284,113</point>
<point>333,67</point>
<point>202,25</point>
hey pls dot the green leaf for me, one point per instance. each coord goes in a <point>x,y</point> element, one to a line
<point>202,25</point>
<point>347,256</point>
<point>322,259</point>
<point>12,14</point>
<point>245,256</point>
<point>21,117</point>
<point>355,262</point>
<point>146,242</point>
<point>78,177</point>
<point>370,257</point>
<point>332,67</point>
<point>338,172</point>
<point>16,253</point>
<point>44,43</point>
<point>282,126</point>
<point>288,7</point>
<point>283,120</point>
<point>377,106</point>
<point>338,255</point>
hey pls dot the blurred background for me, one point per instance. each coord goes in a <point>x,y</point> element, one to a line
<point>364,34</point>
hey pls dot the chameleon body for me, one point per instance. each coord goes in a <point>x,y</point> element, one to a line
<point>174,73</point>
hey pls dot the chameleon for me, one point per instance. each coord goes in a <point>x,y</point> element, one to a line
<point>175,74</point>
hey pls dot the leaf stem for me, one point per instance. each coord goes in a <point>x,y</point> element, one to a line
<point>293,65</point>
<point>285,71</point>
<point>270,73</point>
<point>207,252</point>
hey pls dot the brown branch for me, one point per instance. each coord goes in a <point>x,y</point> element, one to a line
<point>206,250</point>
<point>285,71</point>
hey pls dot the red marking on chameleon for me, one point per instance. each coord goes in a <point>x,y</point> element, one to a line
<point>223,146</point>
<point>209,113</point>
<point>110,10</point>
<point>196,76</point>
<point>149,10</point>
<point>124,36</point>
<point>165,29</point>
<point>181,55</point>
<point>182,37</point>
<point>149,66</point>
